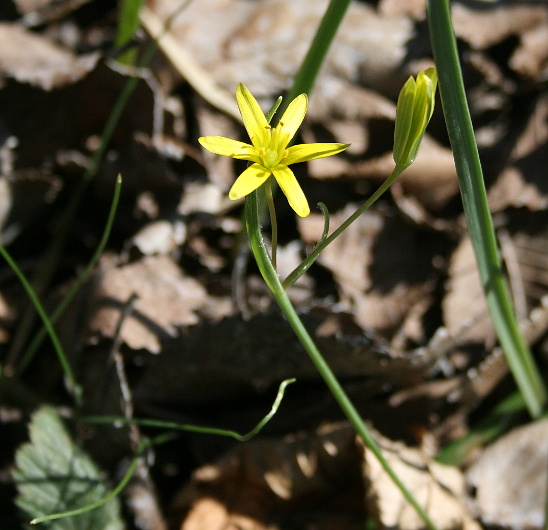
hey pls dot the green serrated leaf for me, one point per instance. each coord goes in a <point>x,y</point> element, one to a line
<point>54,475</point>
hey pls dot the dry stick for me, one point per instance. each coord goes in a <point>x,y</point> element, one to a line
<point>116,356</point>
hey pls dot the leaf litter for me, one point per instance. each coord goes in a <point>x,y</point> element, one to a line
<point>395,304</point>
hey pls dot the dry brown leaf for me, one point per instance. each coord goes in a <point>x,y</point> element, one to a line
<point>386,267</point>
<point>160,237</point>
<point>249,42</point>
<point>260,483</point>
<point>509,479</point>
<point>215,361</point>
<point>26,6</point>
<point>523,182</point>
<point>431,181</point>
<point>491,24</point>
<point>166,299</point>
<point>513,189</point>
<point>31,58</point>
<point>464,306</point>
<point>531,58</point>
<point>525,256</point>
<point>413,8</point>
<point>438,488</point>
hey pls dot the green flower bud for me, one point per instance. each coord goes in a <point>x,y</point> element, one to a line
<point>413,112</point>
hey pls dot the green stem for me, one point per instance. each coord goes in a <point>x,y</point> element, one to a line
<point>310,67</point>
<point>271,278</point>
<point>162,438</point>
<point>74,386</point>
<point>47,265</point>
<point>128,23</point>
<point>273,221</point>
<point>311,258</point>
<point>478,217</point>
<point>60,309</point>
<point>195,428</point>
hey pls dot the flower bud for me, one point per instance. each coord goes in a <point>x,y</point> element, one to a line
<point>413,112</point>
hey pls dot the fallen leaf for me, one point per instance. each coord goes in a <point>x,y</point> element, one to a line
<point>166,299</point>
<point>32,58</point>
<point>509,479</point>
<point>438,488</point>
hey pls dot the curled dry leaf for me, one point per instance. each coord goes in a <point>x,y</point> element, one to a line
<point>522,182</point>
<point>379,284</point>
<point>438,488</point>
<point>166,299</point>
<point>464,306</point>
<point>235,41</point>
<point>32,58</point>
<point>509,479</point>
<point>278,482</point>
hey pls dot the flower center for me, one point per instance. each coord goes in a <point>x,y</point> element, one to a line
<point>270,158</point>
<point>274,147</point>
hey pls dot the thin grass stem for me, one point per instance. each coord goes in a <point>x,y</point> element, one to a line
<point>33,346</point>
<point>75,388</point>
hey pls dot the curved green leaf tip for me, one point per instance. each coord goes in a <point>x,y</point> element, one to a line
<point>413,112</point>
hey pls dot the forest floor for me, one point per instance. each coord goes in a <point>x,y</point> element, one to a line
<point>174,323</point>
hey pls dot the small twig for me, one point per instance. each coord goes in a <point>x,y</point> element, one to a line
<point>117,357</point>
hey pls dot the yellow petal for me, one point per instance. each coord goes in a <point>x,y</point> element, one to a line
<point>248,181</point>
<point>253,117</point>
<point>304,152</point>
<point>294,115</point>
<point>292,190</point>
<point>228,147</point>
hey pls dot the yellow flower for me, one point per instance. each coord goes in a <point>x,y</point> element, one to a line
<point>413,112</point>
<point>269,151</point>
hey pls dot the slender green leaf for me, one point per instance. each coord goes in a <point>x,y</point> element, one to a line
<point>474,199</point>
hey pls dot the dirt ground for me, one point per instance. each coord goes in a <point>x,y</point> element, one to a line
<point>174,322</point>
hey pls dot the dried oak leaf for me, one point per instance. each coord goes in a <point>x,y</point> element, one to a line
<point>166,299</point>
<point>413,8</point>
<point>235,40</point>
<point>509,479</point>
<point>525,255</point>
<point>312,477</point>
<point>33,59</point>
<point>437,487</point>
<point>382,267</point>
<point>523,182</point>
<point>489,25</point>
<point>464,306</point>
